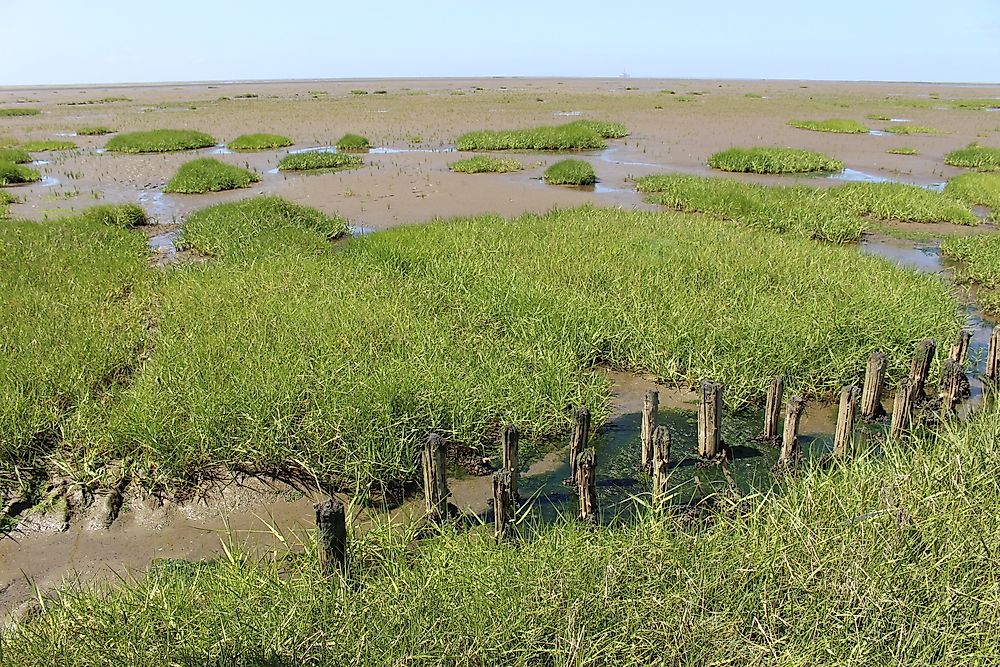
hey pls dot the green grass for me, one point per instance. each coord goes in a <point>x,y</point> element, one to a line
<point>981,256</point>
<point>897,201</point>
<point>43,145</point>
<point>102,100</point>
<point>353,143</point>
<point>764,160</point>
<point>878,116</point>
<point>210,175</point>
<point>358,91</point>
<point>319,161</point>
<point>978,189</point>
<point>976,104</point>
<point>885,560</point>
<point>259,142</point>
<point>486,164</point>
<point>16,174</point>
<point>907,128</point>
<point>839,125</point>
<point>159,141</point>
<point>6,199</point>
<point>975,156</point>
<point>94,131</point>
<point>578,135</point>
<point>570,172</point>
<point>903,150</point>
<point>124,216</point>
<point>19,111</point>
<point>15,155</point>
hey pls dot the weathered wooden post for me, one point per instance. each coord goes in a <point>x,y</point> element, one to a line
<point>578,442</point>
<point>871,398</point>
<point>902,406</point>
<point>510,439</point>
<point>951,385</point>
<point>710,420</point>
<point>587,485</point>
<point>435,477</point>
<point>503,503</point>
<point>920,368</point>
<point>790,435</point>
<point>650,411</point>
<point>660,462</point>
<point>960,348</point>
<point>847,417</point>
<point>331,536</point>
<point>993,357</point>
<point>772,411</point>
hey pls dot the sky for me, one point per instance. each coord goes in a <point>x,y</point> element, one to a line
<point>116,41</point>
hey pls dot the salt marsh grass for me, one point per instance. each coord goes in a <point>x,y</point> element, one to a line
<point>980,255</point>
<point>978,189</point>
<point>764,160</point>
<point>353,143</point>
<point>903,150</point>
<point>907,128</point>
<point>570,172</point>
<point>486,164</point>
<point>319,161</point>
<point>124,216</point>
<point>975,156</point>
<point>15,155</point>
<point>19,111</point>
<point>159,141</point>
<point>259,142</point>
<point>578,135</point>
<point>210,175</point>
<point>17,174</point>
<point>43,145</point>
<point>839,125</point>
<point>94,131</point>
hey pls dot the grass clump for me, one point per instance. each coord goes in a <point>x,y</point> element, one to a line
<point>17,174</point>
<point>878,116</point>
<point>839,125</point>
<point>210,175</point>
<point>94,131</point>
<point>907,128</point>
<point>975,156</point>
<point>903,150</point>
<point>765,160</point>
<point>578,135</point>
<point>319,161</point>
<point>159,141</point>
<point>353,143</point>
<point>570,172</point>
<point>259,142</point>
<point>15,155</point>
<point>19,111</point>
<point>6,199</point>
<point>980,255</point>
<point>43,145</point>
<point>125,216</point>
<point>978,189</point>
<point>486,164</point>
<point>899,201</point>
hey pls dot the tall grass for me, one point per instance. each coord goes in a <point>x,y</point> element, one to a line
<point>885,560</point>
<point>898,201</point>
<point>353,142</point>
<point>975,156</point>
<point>43,145</point>
<point>287,354</point>
<point>15,155</point>
<point>839,125</point>
<point>6,200</point>
<point>124,216</point>
<point>259,142</point>
<point>319,161</point>
<point>570,172</point>
<point>979,189</point>
<point>980,255</point>
<point>486,164</point>
<point>19,111</point>
<point>159,141</point>
<point>210,175</point>
<point>764,160</point>
<point>17,174</point>
<point>578,135</point>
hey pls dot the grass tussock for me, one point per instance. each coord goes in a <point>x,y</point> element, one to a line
<point>578,135</point>
<point>100,100</point>
<point>975,156</point>
<point>903,150</point>
<point>319,161</point>
<point>17,174</point>
<point>159,141</point>
<point>978,189</point>
<point>43,145</point>
<point>765,160</point>
<point>94,131</point>
<point>898,201</point>
<point>570,172</point>
<point>124,216</point>
<point>838,125</point>
<point>908,128</point>
<point>210,175</point>
<point>980,255</point>
<point>15,155</point>
<point>481,164</point>
<point>878,116</point>
<point>353,143</point>
<point>259,142</point>
<point>10,112</point>
<point>884,560</point>
<point>6,199</point>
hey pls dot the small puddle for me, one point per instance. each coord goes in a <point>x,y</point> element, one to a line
<point>568,113</point>
<point>855,176</point>
<point>360,230</point>
<point>48,181</point>
<point>65,134</point>
<point>386,150</point>
<point>221,149</point>
<point>879,133</point>
<point>164,244</point>
<point>40,163</point>
<point>607,156</point>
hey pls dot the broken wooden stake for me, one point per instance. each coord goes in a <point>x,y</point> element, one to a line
<point>578,443</point>
<point>960,348</point>
<point>902,406</point>
<point>650,410</point>
<point>790,435</point>
<point>710,420</point>
<point>847,416</point>
<point>660,462</point>
<point>920,368</point>
<point>503,503</point>
<point>772,411</point>
<point>587,485</point>
<point>331,536</point>
<point>993,357</point>
<point>435,477</point>
<point>951,385</point>
<point>510,439</point>
<point>871,397</point>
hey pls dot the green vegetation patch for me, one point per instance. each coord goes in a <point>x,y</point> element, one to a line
<point>319,161</point>
<point>570,172</point>
<point>101,100</point>
<point>19,111</point>
<point>978,189</point>
<point>125,216</point>
<point>16,174</point>
<point>6,199</point>
<point>878,116</point>
<point>907,128</point>
<point>981,256</point>
<point>94,131</point>
<point>15,155</point>
<point>578,135</point>
<point>975,156</point>
<point>840,125</point>
<point>353,143</point>
<point>259,142</point>
<point>159,141</point>
<point>210,175</point>
<point>903,150</point>
<point>898,201</point>
<point>43,145</point>
<point>765,160</point>
<point>486,164</point>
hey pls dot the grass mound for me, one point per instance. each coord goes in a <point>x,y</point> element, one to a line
<point>16,174</point>
<point>907,128</point>
<point>878,116</point>
<point>840,125</point>
<point>15,155</point>
<point>981,255</point>
<point>353,143</point>
<point>259,142</point>
<point>94,131</point>
<point>43,145</point>
<point>903,150</point>
<point>977,189</point>
<point>159,141</point>
<point>319,160</point>
<point>19,111</point>
<point>578,135</point>
<point>125,216</point>
<point>210,175</point>
<point>570,172</point>
<point>764,160</point>
<point>485,164</point>
<point>975,156</point>
<point>898,201</point>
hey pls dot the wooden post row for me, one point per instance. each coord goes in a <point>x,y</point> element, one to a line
<point>710,420</point>
<point>847,416</point>
<point>920,369</point>
<point>871,398</point>
<point>902,406</point>
<point>951,385</point>
<point>772,411</point>
<point>960,348</point>
<point>331,534</point>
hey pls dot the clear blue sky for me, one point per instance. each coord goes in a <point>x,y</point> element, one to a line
<point>72,41</point>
